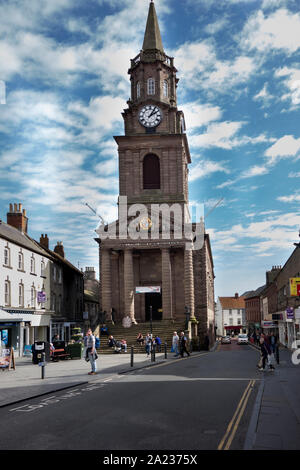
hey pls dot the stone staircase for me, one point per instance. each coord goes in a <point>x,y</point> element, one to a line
<point>164,329</point>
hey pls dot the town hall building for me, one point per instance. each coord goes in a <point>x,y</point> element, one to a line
<point>149,270</point>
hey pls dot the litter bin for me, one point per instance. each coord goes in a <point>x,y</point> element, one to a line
<point>38,348</point>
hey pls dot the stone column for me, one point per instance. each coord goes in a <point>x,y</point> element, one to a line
<point>166,284</point>
<point>189,298</point>
<point>128,285</point>
<point>106,281</point>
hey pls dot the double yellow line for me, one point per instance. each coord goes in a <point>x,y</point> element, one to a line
<point>234,423</point>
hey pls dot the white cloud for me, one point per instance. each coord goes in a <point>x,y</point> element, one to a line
<point>220,134</point>
<point>286,146</point>
<point>198,115</point>
<point>280,30</point>
<point>290,198</point>
<point>264,96</point>
<point>292,83</point>
<point>205,168</point>
<point>200,67</point>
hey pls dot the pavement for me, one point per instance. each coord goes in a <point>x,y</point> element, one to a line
<point>275,422</point>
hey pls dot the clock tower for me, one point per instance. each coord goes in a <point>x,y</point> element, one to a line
<point>142,277</point>
<point>154,153</point>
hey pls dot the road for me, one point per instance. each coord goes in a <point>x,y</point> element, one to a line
<point>201,402</point>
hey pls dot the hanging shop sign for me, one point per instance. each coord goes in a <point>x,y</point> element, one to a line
<point>41,297</point>
<point>148,290</point>
<point>290,313</point>
<point>295,286</point>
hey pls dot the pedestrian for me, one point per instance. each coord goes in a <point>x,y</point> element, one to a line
<point>157,342</point>
<point>273,342</point>
<point>91,353</point>
<point>175,343</point>
<point>148,342</point>
<point>266,353</point>
<point>111,341</point>
<point>183,344</point>
<point>140,339</point>
<point>124,345</point>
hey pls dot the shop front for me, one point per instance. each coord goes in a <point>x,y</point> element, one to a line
<point>19,328</point>
<point>234,330</point>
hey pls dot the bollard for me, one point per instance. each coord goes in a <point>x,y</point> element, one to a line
<point>131,356</point>
<point>43,365</point>
<point>165,346</point>
<point>153,353</point>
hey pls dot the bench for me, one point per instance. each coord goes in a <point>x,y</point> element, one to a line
<point>59,354</point>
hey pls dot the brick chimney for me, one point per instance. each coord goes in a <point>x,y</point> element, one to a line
<point>236,295</point>
<point>89,274</point>
<point>44,241</point>
<point>16,217</point>
<point>59,249</point>
<point>271,275</point>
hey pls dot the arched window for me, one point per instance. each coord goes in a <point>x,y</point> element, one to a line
<point>151,86</point>
<point>166,89</point>
<point>151,172</point>
<point>138,89</point>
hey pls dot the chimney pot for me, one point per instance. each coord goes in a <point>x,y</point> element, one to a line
<point>16,218</point>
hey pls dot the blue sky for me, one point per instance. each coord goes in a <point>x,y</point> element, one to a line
<point>64,64</point>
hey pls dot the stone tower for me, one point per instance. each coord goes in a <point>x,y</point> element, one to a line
<point>153,173</point>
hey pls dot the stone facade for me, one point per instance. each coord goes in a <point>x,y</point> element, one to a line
<point>153,172</point>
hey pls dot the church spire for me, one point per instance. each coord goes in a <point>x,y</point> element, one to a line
<point>152,38</point>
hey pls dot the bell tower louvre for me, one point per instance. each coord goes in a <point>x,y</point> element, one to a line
<point>153,174</point>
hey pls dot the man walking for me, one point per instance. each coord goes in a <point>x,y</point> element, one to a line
<point>91,352</point>
<point>183,344</point>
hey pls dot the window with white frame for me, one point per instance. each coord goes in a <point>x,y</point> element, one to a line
<point>33,297</point>
<point>21,261</point>
<point>151,86</point>
<point>21,294</point>
<point>166,88</point>
<point>6,256</point>
<point>32,265</point>
<point>7,292</point>
<point>43,268</point>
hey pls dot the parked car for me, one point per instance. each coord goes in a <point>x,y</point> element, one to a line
<point>242,339</point>
<point>225,340</point>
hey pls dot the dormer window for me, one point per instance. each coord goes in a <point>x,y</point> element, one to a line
<point>138,89</point>
<point>166,89</point>
<point>151,86</point>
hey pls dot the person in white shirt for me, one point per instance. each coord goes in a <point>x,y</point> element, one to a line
<point>175,343</point>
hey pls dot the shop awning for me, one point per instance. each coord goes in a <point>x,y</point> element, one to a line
<point>233,327</point>
<point>34,319</point>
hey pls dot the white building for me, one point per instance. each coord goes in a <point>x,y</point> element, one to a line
<point>25,301</point>
<point>41,293</point>
<point>230,315</point>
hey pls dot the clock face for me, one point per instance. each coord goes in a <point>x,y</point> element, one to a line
<point>150,116</point>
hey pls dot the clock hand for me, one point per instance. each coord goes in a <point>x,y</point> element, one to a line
<point>153,112</point>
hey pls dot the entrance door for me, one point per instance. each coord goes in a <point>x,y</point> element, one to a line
<point>155,301</point>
